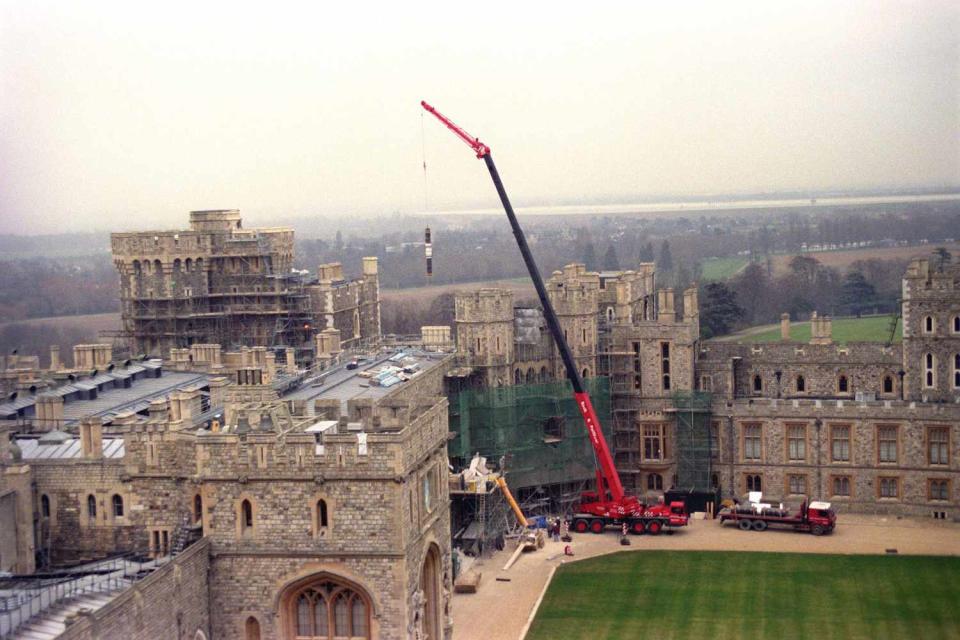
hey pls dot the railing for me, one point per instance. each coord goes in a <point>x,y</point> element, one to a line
<point>19,604</point>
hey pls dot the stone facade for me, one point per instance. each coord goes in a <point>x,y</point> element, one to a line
<point>894,397</point>
<point>217,282</point>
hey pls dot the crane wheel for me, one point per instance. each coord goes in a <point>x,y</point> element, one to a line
<point>759,525</point>
<point>654,528</point>
<point>596,526</point>
<point>580,525</point>
<point>638,527</point>
<point>744,525</point>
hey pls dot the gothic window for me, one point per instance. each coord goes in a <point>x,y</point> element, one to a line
<point>841,486</point>
<point>91,507</point>
<point>887,384</point>
<point>665,364</point>
<point>757,384</point>
<point>843,386</point>
<point>889,487</point>
<point>801,384</point>
<point>754,482</point>
<point>117,501</point>
<point>956,324</point>
<point>928,325</point>
<point>328,610</point>
<point>938,489</point>
<point>322,518</point>
<point>197,508</point>
<point>929,371</point>
<point>797,485</point>
<point>246,517</point>
<point>516,376</point>
<point>45,506</point>
<point>531,375</point>
<point>655,482</point>
<point>956,371</point>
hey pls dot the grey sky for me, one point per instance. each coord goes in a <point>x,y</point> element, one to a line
<point>127,115</point>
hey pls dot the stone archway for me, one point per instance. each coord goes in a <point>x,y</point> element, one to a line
<point>325,606</point>
<point>430,588</point>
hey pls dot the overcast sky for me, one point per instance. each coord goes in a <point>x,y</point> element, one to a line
<point>127,115</point>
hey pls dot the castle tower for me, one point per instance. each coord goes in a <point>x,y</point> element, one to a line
<point>575,295</point>
<point>485,331</point>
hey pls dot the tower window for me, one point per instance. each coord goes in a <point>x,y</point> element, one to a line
<point>887,384</point>
<point>45,506</point>
<point>117,501</point>
<point>91,507</point>
<point>757,384</point>
<point>843,386</point>
<point>801,384</point>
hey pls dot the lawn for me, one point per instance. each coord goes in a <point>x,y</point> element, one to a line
<point>867,328</point>
<point>716,595</point>
<point>722,268</point>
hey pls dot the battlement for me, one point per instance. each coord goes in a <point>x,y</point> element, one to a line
<point>485,305</point>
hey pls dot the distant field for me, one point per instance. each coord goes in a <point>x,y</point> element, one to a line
<point>722,268</point>
<point>521,287</point>
<point>92,323</point>
<point>867,328</point>
<point>843,259</point>
<point>731,595</point>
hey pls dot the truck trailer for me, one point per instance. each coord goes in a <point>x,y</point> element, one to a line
<point>816,517</point>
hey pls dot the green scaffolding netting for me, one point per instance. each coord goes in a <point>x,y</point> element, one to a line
<point>537,427</point>
<point>696,448</point>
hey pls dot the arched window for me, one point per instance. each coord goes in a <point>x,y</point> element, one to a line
<point>956,324</point>
<point>801,384</point>
<point>516,376</point>
<point>91,507</point>
<point>117,502</point>
<point>544,376</point>
<point>585,373</point>
<point>888,384</point>
<point>842,385</point>
<point>45,506</point>
<point>757,384</point>
<point>251,629</point>
<point>929,371</point>
<point>329,609</point>
<point>655,482</point>
<point>246,516</point>
<point>754,482</point>
<point>610,314</point>
<point>323,517</point>
<point>197,508</point>
<point>928,326</point>
<point>956,371</point>
<point>531,375</point>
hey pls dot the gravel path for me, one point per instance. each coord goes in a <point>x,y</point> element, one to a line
<point>502,610</point>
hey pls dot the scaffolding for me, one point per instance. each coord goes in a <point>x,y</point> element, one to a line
<point>695,447</point>
<point>535,431</point>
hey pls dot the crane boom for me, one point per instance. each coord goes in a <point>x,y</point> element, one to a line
<point>584,404</point>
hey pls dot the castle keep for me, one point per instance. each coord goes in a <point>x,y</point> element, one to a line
<point>217,282</point>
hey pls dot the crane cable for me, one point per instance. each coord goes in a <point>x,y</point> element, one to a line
<point>423,156</point>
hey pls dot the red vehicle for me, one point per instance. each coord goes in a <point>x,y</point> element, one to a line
<point>608,504</point>
<point>816,518</point>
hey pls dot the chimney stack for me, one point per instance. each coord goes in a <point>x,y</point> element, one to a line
<point>785,327</point>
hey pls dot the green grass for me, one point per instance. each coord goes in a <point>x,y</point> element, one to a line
<point>722,268</point>
<point>867,328</point>
<point>718,595</point>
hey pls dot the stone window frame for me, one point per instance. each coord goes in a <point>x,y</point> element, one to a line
<point>46,508</point>
<point>929,371</point>
<point>90,515</point>
<point>749,476</point>
<point>317,516</point>
<point>833,486</point>
<point>743,441</point>
<point>955,325</point>
<point>800,384</point>
<point>787,427</point>
<point>893,384</point>
<point>842,377</point>
<point>118,517</point>
<point>928,442</point>
<point>897,487</point>
<point>756,384</point>
<point>945,482</point>
<point>929,326</point>
<point>338,585</point>
<point>160,541</point>
<point>654,482</point>
<point>665,369</point>
<point>956,371</point>
<point>243,529</point>
<point>706,382</point>
<point>658,434</point>
<point>834,427</point>
<point>788,484</point>
<point>896,444</point>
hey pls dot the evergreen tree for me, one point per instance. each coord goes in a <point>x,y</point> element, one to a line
<point>857,293</point>
<point>942,258</point>
<point>646,253</point>
<point>589,256</point>
<point>719,311</point>
<point>338,243</point>
<point>610,261</point>
<point>665,261</point>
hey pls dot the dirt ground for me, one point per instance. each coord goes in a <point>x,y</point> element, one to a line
<point>503,610</point>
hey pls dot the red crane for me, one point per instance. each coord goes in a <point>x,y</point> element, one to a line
<point>608,504</point>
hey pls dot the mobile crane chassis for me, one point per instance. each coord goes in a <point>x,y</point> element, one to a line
<point>608,505</point>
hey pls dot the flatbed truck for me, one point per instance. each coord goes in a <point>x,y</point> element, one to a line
<point>816,517</point>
